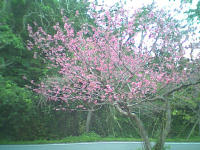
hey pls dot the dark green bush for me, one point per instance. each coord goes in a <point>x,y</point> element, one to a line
<point>16,110</point>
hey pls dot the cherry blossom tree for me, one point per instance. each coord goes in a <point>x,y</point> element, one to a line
<point>127,61</point>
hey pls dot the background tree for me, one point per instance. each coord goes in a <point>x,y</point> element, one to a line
<point>17,64</point>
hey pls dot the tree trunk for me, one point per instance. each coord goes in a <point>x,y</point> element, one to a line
<point>192,130</point>
<point>165,130</point>
<point>89,116</point>
<point>143,133</point>
<point>140,126</point>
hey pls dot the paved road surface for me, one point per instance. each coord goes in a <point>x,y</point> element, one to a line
<point>98,146</point>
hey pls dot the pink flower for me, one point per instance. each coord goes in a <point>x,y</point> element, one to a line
<point>77,13</point>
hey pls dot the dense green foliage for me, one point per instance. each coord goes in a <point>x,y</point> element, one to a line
<point>25,116</point>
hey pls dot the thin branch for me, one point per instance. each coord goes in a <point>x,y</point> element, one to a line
<point>147,100</point>
<point>180,87</point>
<point>120,110</point>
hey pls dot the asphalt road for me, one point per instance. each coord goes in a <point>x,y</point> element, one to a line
<point>98,146</point>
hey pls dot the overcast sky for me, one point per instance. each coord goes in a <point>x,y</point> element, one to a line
<point>170,5</point>
<point>167,4</point>
<point>140,3</point>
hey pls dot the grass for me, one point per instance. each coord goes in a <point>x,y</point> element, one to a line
<point>92,138</point>
<point>193,139</point>
<point>70,140</point>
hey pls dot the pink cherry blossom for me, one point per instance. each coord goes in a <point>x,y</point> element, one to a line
<point>108,65</point>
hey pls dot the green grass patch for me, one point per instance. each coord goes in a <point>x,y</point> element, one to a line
<point>92,137</point>
<point>192,139</point>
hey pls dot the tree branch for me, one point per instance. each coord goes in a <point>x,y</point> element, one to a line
<point>180,87</point>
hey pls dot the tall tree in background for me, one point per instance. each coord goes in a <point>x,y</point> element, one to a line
<point>17,63</point>
<point>14,16</point>
<point>106,65</point>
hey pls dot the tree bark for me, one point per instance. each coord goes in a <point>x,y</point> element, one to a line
<point>89,116</point>
<point>140,126</point>
<point>143,133</point>
<point>192,130</point>
<point>165,130</point>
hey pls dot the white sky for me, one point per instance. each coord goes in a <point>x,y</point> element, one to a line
<point>170,5</point>
<point>140,3</point>
<point>167,4</point>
